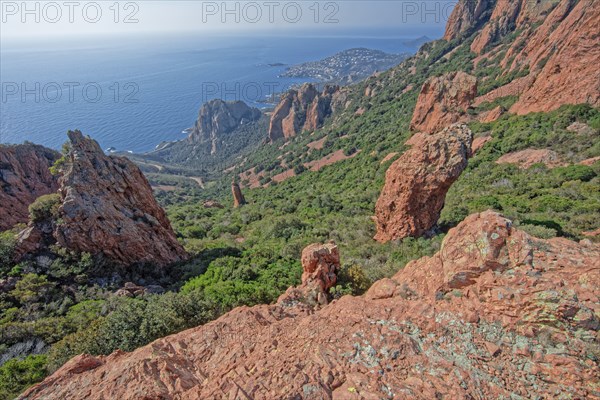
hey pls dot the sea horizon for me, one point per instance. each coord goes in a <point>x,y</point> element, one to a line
<point>158,82</point>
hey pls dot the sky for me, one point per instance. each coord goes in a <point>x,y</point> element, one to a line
<point>46,19</point>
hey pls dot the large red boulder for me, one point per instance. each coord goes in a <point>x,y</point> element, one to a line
<point>444,100</point>
<point>108,208</point>
<point>416,184</point>
<point>320,266</point>
<point>321,263</point>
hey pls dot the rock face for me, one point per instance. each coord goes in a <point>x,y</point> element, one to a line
<point>478,143</point>
<point>108,208</point>
<point>495,313</point>
<point>238,197</point>
<point>492,115</point>
<point>528,157</point>
<point>304,109</point>
<point>569,33</point>
<point>24,176</point>
<point>553,33</point>
<point>494,18</point>
<point>320,265</point>
<point>416,184</point>
<point>467,16</point>
<point>217,118</point>
<point>443,101</point>
<point>508,15</point>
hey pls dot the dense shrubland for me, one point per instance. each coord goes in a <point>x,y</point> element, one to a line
<point>562,201</point>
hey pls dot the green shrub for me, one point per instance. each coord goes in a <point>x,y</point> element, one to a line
<point>486,202</point>
<point>59,165</point>
<point>32,288</point>
<point>575,173</point>
<point>45,208</point>
<point>539,231</point>
<point>7,246</point>
<point>548,202</point>
<point>352,280</point>
<point>16,375</point>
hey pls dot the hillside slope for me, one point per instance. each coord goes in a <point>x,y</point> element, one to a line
<point>444,326</point>
<point>541,170</point>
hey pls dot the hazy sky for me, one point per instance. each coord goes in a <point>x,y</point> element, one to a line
<point>76,18</point>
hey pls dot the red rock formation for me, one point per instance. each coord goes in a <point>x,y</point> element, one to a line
<point>553,33</point>
<point>443,101</point>
<point>467,16</point>
<point>108,208</point>
<point>590,161</point>
<point>479,142</point>
<point>495,313</point>
<point>217,119</point>
<point>492,115</point>
<point>238,197</point>
<point>320,264</point>
<point>563,54</point>
<point>528,157</point>
<point>514,88</point>
<point>24,176</point>
<point>416,184</point>
<point>304,109</point>
<point>508,15</point>
<point>592,234</point>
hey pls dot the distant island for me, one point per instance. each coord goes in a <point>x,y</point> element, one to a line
<point>346,67</point>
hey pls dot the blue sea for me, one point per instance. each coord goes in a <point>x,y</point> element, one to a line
<point>135,92</point>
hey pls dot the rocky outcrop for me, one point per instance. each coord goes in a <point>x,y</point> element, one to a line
<point>416,184</point>
<point>494,19</point>
<point>320,265</point>
<point>443,101</point>
<point>495,313</point>
<point>24,176</point>
<point>304,109</point>
<point>502,21</point>
<point>467,16</point>
<point>507,16</point>
<point>108,209</point>
<point>529,157</point>
<point>478,143</point>
<point>590,161</point>
<point>238,197</point>
<point>553,33</point>
<point>212,204</point>
<point>491,115</point>
<point>217,119</point>
<point>569,33</point>
<point>130,289</point>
